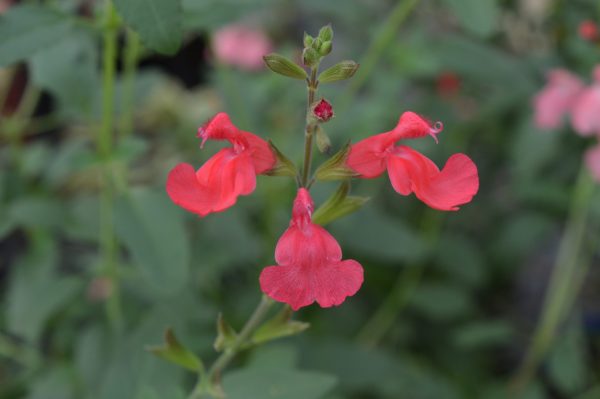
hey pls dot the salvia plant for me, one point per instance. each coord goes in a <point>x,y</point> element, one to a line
<point>309,263</point>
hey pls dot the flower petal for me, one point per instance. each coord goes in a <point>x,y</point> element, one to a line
<point>329,285</point>
<point>586,112</point>
<point>185,190</point>
<point>556,98</point>
<point>456,184</point>
<point>226,176</point>
<point>367,157</point>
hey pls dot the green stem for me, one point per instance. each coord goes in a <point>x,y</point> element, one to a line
<point>104,147</point>
<point>406,283</point>
<point>131,56</point>
<point>385,36</point>
<point>564,283</point>
<point>212,384</point>
<point>310,127</point>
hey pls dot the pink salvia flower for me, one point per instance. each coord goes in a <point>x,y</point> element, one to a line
<point>410,171</point>
<point>310,263</point>
<point>241,46</point>
<point>556,99</point>
<point>592,160</point>
<point>323,110</point>
<point>585,116</point>
<point>229,173</point>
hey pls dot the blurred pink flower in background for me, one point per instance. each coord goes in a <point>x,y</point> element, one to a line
<point>241,46</point>
<point>556,98</point>
<point>585,116</point>
<point>592,160</point>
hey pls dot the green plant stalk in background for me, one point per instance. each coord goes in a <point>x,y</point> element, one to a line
<point>130,62</point>
<point>108,246</point>
<point>565,282</point>
<point>382,40</point>
<point>408,280</point>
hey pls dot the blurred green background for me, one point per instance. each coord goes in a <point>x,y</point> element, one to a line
<point>91,272</point>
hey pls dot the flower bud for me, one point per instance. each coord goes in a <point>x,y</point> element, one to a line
<point>283,66</point>
<point>323,141</point>
<point>340,71</point>
<point>325,48</point>
<point>310,57</point>
<point>308,40</point>
<point>323,110</point>
<point>326,33</point>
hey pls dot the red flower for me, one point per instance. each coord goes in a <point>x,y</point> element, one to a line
<point>310,266</point>
<point>229,173</point>
<point>410,171</point>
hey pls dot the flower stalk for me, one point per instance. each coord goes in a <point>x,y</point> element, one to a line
<point>311,125</point>
<point>210,384</point>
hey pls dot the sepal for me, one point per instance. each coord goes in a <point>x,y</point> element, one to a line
<point>226,335</point>
<point>281,325</point>
<point>173,351</point>
<point>284,66</point>
<point>340,71</point>
<point>323,141</point>
<point>283,165</point>
<point>338,205</point>
<point>335,168</point>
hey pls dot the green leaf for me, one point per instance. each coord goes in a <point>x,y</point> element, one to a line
<point>35,273</point>
<point>338,205</point>
<point>340,71</point>
<point>568,361</point>
<point>35,212</point>
<point>256,383</point>
<point>174,352</point>
<point>281,325</point>
<point>284,166</point>
<point>226,335</point>
<point>283,66</point>
<point>376,235</point>
<point>158,22</point>
<point>441,301</point>
<point>479,17</point>
<point>69,71</point>
<point>26,29</point>
<point>480,334</point>
<point>335,167</point>
<point>152,230</point>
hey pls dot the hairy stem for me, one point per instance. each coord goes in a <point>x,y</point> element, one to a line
<point>310,126</point>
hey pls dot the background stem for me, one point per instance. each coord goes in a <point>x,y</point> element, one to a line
<point>565,281</point>
<point>104,148</point>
